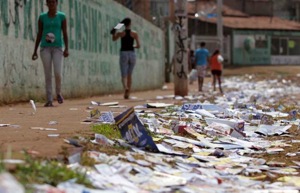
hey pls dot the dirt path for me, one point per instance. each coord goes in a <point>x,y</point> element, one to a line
<point>72,112</point>
<point>68,116</point>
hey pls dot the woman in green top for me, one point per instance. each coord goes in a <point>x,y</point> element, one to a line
<point>51,26</point>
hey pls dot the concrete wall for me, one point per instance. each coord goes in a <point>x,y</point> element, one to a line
<point>245,52</point>
<point>93,65</point>
<point>285,60</point>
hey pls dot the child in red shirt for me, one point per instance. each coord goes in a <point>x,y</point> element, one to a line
<point>216,68</point>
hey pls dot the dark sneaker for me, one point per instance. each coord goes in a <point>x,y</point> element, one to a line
<point>60,99</point>
<point>126,94</point>
<point>48,104</point>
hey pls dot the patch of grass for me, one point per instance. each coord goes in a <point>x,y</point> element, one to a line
<point>170,109</point>
<point>281,73</point>
<point>109,150</point>
<point>51,172</point>
<point>2,166</point>
<point>86,160</point>
<point>108,130</point>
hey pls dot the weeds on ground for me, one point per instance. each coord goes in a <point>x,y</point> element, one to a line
<point>86,160</point>
<point>170,109</point>
<point>35,171</point>
<point>2,166</point>
<point>110,131</point>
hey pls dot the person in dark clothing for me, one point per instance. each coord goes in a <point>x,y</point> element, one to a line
<point>191,60</point>
<point>192,67</point>
<point>127,53</point>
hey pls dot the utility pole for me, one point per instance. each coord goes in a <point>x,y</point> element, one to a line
<point>181,55</point>
<point>220,24</point>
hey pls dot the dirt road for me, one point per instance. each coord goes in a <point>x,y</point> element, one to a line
<point>68,116</point>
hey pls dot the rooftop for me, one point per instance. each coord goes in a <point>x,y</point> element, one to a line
<point>239,20</point>
<point>264,23</point>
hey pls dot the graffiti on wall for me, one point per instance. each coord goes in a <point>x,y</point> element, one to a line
<point>90,25</point>
<point>17,24</point>
<point>180,48</point>
<point>94,56</point>
<point>20,16</point>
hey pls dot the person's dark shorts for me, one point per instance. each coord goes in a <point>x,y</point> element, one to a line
<point>216,72</point>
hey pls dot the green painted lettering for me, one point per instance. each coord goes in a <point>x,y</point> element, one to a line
<point>100,35</point>
<point>94,32</point>
<point>85,27</point>
<point>36,14</point>
<point>4,16</point>
<point>71,24</point>
<point>78,25</point>
<point>28,32</point>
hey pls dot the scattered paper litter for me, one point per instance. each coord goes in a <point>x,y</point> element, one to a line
<point>8,184</point>
<point>4,125</point>
<point>218,154</point>
<point>53,135</point>
<point>73,142</point>
<point>43,129</point>
<point>102,140</point>
<point>95,103</point>
<point>158,105</point>
<point>52,123</point>
<point>12,161</point>
<point>118,106</point>
<point>33,105</point>
<point>159,97</point>
<point>109,104</point>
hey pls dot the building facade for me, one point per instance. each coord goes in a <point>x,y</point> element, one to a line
<point>251,37</point>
